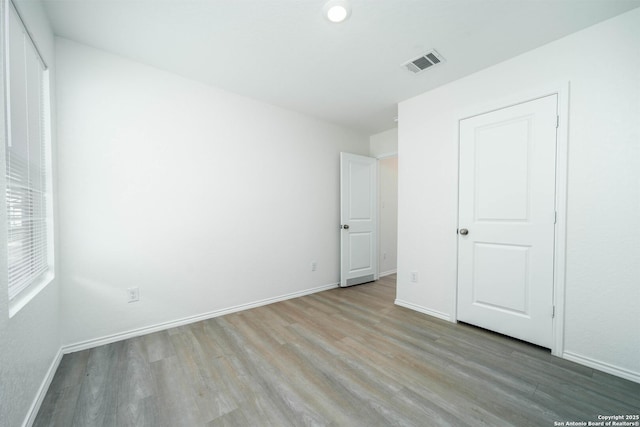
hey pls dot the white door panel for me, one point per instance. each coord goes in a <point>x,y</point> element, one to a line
<point>358,208</point>
<point>360,248</point>
<point>507,204</point>
<point>509,290</point>
<point>496,198</point>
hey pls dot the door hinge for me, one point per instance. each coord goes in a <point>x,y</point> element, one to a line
<point>557,121</point>
<point>555,217</point>
<point>553,311</point>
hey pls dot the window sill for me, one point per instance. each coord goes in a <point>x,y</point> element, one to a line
<point>16,304</point>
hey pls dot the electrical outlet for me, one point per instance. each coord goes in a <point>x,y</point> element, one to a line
<point>414,277</point>
<point>133,294</point>
<point>314,265</point>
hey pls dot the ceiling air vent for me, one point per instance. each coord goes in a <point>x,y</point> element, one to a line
<point>423,62</point>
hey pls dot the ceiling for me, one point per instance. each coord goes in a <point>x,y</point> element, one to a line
<point>284,52</point>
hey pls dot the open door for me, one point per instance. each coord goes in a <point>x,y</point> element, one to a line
<point>358,219</point>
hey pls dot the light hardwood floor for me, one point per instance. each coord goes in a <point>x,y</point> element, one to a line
<point>343,357</point>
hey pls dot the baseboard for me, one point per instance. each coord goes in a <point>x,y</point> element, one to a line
<point>387,273</point>
<point>602,366</point>
<point>430,312</point>
<point>42,391</point>
<point>108,339</point>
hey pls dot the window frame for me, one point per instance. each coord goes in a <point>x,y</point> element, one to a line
<point>41,280</point>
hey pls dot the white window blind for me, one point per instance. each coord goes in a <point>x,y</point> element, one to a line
<point>26,161</point>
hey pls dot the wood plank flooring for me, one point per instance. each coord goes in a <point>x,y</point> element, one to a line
<point>343,357</point>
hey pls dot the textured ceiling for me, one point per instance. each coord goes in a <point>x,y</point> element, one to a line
<point>285,53</point>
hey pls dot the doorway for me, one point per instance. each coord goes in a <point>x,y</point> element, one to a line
<point>507,220</point>
<point>388,215</point>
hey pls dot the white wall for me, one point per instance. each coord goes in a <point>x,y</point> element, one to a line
<point>30,340</point>
<point>203,199</point>
<point>384,144</point>
<point>602,63</point>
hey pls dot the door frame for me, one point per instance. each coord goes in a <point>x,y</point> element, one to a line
<point>562,144</point>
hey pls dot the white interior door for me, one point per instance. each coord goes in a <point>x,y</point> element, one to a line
<point>507,220</point>
<point>358,219</point>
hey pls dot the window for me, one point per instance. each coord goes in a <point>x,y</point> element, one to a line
<point>27,157</point>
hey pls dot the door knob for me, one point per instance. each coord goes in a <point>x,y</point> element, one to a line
<point>464,231</point>
<point>346,226</point>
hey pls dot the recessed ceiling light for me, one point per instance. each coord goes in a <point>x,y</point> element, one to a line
<point>337,10</point>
